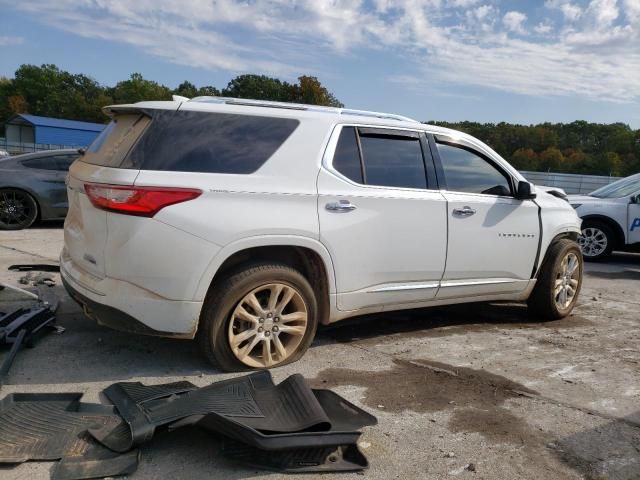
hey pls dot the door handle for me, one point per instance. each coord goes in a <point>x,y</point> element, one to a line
<point>464,212</point>
<point>340,207</point>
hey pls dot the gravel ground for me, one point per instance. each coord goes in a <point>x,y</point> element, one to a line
<point>479,385</point>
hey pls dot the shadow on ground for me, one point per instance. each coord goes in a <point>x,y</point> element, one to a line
<point>610,451</point>
<point>444,321</point>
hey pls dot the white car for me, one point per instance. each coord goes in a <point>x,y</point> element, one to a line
<point>248,223</point>
<point>610,218</point>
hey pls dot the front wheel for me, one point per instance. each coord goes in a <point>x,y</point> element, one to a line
<point>261,316</point>
<point>559,281</point>
<point>596,240</point>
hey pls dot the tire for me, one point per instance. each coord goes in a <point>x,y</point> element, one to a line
<point>18,209</point>
<point>597,240</point>
<point>545,301</point>
<point>229,315</point>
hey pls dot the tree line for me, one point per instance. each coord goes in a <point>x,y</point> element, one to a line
<point>577,147</point>
<point>51,92</point>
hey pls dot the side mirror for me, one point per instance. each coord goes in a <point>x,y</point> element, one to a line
<point>635,199</point>
<point>525,191</point>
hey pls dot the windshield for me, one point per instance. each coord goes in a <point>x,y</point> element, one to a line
<point>621,188</point>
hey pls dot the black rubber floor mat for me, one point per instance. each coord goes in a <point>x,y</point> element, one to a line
<point>96,466</point>
<point>343,458</point>
<point>344,420</point>
<point>291,407</point>
<point>47,426</point>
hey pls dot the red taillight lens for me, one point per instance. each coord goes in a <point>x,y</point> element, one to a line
<point>141,201</point>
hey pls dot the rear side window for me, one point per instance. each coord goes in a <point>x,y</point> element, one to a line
<point>393,161</point>
<point>50,162</point>
<point>347,157</point>
<point>43,163</point>
<point>110,148</point>
<point>186,141</point>
<point>381,157</point>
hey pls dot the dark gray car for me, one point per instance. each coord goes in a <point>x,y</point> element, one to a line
<point>32,187</point>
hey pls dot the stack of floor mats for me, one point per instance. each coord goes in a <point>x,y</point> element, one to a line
<point>53,426</point>
<point>286,427</point>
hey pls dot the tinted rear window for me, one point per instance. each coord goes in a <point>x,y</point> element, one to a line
<point>114,142</point>
<point>205,142</point>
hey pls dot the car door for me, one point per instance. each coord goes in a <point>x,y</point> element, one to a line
<point>381,217</point>
<point>633,219</point>
<point>493,238</point>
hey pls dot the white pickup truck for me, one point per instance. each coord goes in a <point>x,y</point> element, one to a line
<point>610,218</point>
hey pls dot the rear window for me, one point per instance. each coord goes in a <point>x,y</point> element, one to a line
<point>186,141</point>
<point>110,148</point>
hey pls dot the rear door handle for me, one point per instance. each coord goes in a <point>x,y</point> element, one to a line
<point>464,211</point>
<point>340,207</point>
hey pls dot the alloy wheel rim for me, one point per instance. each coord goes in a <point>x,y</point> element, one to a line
<point>567,281</point>
<point>267,325</point>
<point>592,241</point>
<point>15,209</point>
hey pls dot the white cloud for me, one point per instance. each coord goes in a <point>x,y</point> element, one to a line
<point>571,11</point>
<point>6,40</point>
<point>632,10</point>
<point>592,52</point>
<point>543,28</point>
<point>603,12</point>
<point>513,21</point>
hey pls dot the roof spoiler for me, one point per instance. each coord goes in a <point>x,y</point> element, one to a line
<point>112,110</point>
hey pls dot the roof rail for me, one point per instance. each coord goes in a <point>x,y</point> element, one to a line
<point>300,106</point>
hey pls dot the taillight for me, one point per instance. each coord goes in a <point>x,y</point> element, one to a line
<point>140,201</point>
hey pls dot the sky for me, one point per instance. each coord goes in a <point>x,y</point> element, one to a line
<point>516,61</point>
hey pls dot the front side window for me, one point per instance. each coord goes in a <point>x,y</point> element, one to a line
<point>466,171</point>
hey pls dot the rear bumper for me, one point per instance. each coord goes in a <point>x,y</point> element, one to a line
<point>123,306</point>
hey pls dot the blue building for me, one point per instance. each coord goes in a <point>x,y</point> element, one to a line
<point>23,131</point>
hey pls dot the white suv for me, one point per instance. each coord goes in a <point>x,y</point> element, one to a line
<point>610,218</point>
<point>249,223</point>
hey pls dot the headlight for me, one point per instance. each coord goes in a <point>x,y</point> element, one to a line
<point>575,205</point>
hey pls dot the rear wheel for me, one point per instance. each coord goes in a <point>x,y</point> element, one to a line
<point>18,209</point>
<point>559,282</point>
<point>261,316</point>
<point>596,240</point>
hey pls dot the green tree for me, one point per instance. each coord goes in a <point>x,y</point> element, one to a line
<point>310,91</point>
<point>551,160</point>
<point>137,89</point>
<point>524,159</point>
<point>257,87</point>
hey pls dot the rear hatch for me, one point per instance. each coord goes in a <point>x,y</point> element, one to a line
<point>86,225</point>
